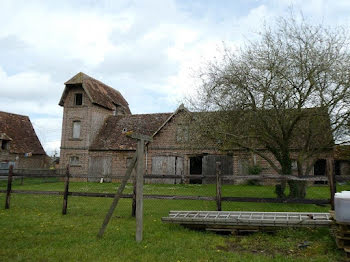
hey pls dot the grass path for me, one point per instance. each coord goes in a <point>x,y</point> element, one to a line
<point>34,230</point>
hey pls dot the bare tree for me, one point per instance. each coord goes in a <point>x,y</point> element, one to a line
<point>284,96</point>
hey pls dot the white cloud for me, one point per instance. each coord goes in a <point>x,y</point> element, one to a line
<point>149,50</point>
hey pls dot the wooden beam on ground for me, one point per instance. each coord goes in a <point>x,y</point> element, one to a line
<point>117,196</point>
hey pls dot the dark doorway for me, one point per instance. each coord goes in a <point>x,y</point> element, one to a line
<point>196,169</point>
<point>337,168</point>
<point>320,167</point>
<point>320,170</point>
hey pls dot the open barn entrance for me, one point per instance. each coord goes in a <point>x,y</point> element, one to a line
<point>196,169</point>
<point>320,170</point>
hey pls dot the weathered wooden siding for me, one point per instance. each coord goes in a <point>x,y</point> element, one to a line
<point>167,165</point>
<point>100,167</point>
<point>209,167</point>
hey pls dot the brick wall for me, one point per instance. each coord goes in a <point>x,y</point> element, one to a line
<point>34,161</point>
<point>164,143</point>
<point>91,119</point>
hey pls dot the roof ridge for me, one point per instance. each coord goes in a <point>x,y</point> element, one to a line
<point>150,114</point>
<point>100,82</point>
<point>13,114</point>
<point>147,114</point>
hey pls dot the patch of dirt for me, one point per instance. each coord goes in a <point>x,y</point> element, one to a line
<point>242,244</point>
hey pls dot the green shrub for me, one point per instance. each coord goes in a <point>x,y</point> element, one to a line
<point>255,170</point>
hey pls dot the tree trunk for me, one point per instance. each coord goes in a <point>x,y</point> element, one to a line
<point>280,188</point>
<point>286,170</point>
<point>297,189</point>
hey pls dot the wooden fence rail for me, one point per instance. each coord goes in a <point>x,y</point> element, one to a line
<point>165,176</point>
<point>176,197</point>
<point>218,177</point>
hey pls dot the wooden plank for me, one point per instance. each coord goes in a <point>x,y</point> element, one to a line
<point>163,165</point>
<point>65,193</point>
<point>179,170</point>
<point>218,186</point>
<point>167,176</point>
<point>100,167</point>
<point>117,196</point>
<point>35,192</point>
<point>139,190</point>
<point>9,187</point>
<point>36,175</point>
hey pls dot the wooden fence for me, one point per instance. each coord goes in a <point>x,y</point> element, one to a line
<point>66,177</point>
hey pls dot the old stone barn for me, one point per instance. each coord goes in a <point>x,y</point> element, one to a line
<point>96,118</point>
<point>19,145</point>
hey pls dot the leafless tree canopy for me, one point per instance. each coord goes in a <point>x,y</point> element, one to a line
<point>287,91</point>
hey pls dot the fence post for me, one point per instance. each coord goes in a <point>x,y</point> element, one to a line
<point>133,207</point>
<point>139,189</point>
<point>9,187</point>
<point>65,193</point>
<point>331,180</point>
<point>218,186</point>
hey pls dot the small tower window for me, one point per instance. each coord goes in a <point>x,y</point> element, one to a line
<point>78,100</point>
<point>76,129</point>
<point>74,160</point>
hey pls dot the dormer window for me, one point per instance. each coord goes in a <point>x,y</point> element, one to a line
<point>78,99</point>
<point>118,110</point>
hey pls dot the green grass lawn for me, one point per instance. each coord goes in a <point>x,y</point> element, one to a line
<point>34,229</point>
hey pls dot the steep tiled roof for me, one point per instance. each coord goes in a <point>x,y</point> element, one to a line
<point>112,134</point>
<point>98,92</point>
<point>342,152</point>
<point>20,130</point>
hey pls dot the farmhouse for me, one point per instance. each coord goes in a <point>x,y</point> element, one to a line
<point>96,118</point>
<point>19,144</point>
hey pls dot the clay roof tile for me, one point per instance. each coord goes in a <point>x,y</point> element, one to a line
<point>19,130</point>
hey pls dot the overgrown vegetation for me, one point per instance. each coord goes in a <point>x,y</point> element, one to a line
<point>34,229</point>
<point>286,92</point>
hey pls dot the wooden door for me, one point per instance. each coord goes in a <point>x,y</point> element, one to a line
<point>209,167</point>
<point>167,165</point>
<point>100,167</point>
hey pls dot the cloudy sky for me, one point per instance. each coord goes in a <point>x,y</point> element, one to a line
<point>148,50</point>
